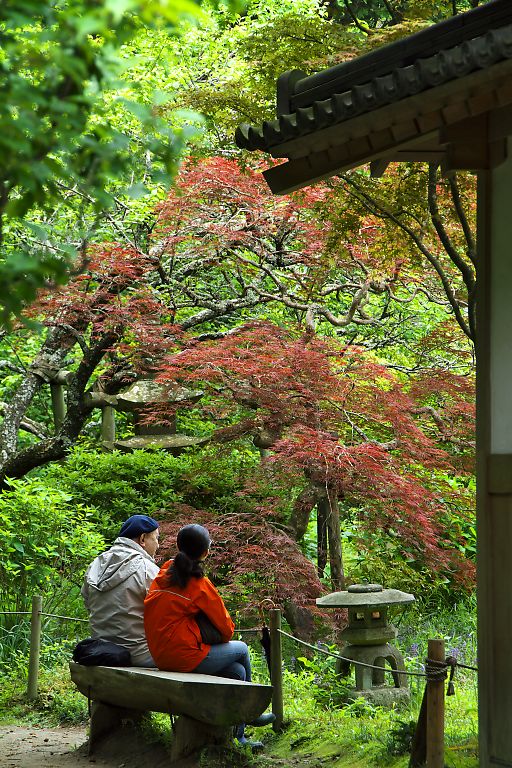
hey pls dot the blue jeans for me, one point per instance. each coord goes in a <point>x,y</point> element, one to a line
<point>227,660</point>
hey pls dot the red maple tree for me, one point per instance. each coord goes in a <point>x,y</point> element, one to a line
<point>341,418</point>
<point>253,561</point>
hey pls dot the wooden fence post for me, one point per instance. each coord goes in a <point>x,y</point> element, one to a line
<point>35,644</point>
<point>276,667</point>
<point>418,757</point>
<point>435,709</point>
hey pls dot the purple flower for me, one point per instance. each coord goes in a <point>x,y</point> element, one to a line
<point>414,649</point>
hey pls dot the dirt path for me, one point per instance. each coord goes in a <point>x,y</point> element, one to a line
<point>22,747</point>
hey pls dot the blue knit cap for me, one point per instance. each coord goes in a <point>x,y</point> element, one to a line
<point>137,524</point>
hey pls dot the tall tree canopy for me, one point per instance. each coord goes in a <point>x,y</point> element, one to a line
<point>62,146</point>
<point>223,249</point>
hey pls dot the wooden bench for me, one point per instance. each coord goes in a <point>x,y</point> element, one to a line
<point>207,706</point>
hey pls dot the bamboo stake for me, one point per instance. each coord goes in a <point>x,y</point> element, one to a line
<point>435,710</point>
<point>35,644</point>
<point>276,667</point>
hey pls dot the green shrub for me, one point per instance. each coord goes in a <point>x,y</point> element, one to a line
<point>58,701</point>
<point>47,541</point>
<point>117,485</point>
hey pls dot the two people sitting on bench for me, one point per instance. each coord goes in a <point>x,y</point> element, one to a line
<point>116,584</point>
<point>178,594</point>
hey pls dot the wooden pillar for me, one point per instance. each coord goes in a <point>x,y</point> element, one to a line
<point>435,710</point>
<point>108,424</point>
<point>494,463</point>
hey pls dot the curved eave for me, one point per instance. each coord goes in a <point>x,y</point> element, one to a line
<point>402,83</point>
<point>411,113</point>
<point>443,125</point>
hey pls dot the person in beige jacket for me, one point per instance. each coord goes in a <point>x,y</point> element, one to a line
<point>116,583</point>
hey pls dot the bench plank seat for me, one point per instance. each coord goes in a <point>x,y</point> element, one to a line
<point>209,699</point>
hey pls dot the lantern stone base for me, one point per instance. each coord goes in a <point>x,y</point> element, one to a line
<point>370,681</point>
<point>384,696</point>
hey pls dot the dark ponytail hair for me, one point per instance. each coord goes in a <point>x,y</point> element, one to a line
<point>193,541</point>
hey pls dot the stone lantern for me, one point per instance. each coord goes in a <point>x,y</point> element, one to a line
<point>135,400</point>
<point>367,639</point>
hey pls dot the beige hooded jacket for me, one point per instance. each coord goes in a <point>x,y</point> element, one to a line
<point>114,588</point>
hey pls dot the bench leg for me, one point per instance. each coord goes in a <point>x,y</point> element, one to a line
<point>105,719</point>
<point>191,736</point>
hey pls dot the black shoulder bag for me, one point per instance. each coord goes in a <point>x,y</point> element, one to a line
<point>95,652</point>
<point>209,632</point>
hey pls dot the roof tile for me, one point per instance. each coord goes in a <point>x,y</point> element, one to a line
<point>339,105</point>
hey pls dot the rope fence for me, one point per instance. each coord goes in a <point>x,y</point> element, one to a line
<point>36,615</point>
<point>428,742</point>
<point>50,615</point>
<point>433,668</point>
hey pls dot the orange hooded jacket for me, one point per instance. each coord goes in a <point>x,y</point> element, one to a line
<point>173,636</point>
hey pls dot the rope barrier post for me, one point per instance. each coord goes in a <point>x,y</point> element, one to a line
<point>419,741</point>
<point>276,668</point>
<point>435,706</point>
<point>35,644</point>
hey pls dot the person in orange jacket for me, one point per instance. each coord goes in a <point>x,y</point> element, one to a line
<point>178,593</point>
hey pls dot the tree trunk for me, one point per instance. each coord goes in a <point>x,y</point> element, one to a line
<point>334,539</point>
<point>49,359</point>
<point>322,510</point>
<point>301,511</point>
<point>14,463</point>
<point>301,621</point>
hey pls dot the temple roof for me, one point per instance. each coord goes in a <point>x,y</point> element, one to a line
<point>409,97</point>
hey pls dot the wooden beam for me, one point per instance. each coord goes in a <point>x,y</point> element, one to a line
<point>417,156</point>
<point>464,145</point>
<point>470,145</point>
<point>494,466</point>
<point>500,123</point>
<point>474,156</point>
<point>499,473</point>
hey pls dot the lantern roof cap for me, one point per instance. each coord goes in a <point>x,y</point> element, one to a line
<point>364,595</point>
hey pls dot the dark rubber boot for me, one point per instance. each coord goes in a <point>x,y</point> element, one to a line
<point>244,741</point>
